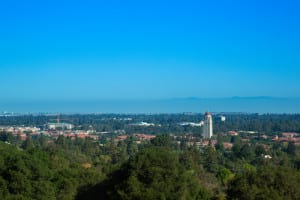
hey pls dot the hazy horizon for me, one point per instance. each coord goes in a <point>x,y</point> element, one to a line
<point>175,105</point>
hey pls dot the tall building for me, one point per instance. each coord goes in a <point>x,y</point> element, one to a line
<point>208,126</point>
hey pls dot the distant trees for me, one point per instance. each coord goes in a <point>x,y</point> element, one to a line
<point>168,123</point>
<point>162,141</point>
<point>268,123</point>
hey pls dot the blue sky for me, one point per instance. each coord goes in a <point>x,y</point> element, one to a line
<point>59,49</point>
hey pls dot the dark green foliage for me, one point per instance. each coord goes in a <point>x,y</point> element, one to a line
<point>259,150</point>
<point>154,173</point>
<point>37,174</point>
<point>225,175</point>
<point>211,159</point>
<point>6,137</point>
<point>219,146</point>
<point>162,141</point>
<point>266,183</point>
<point>132,147</point>
<point>291,148</point>
<point>24,172</point>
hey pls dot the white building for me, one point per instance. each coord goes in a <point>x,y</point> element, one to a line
<point>208,126</point>
<point>223,118</point>
<point>143,124</point>
<point>54,126</point>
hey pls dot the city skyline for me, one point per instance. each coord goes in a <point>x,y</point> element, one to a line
<point>96,50</point>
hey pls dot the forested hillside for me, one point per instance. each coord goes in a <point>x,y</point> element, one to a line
<point>43,168</point>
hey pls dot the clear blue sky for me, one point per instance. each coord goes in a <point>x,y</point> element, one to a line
<point>148,49</point>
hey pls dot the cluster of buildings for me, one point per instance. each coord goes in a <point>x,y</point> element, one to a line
<point>288,137</point>
<point>207,125</point>
<point>50,129</point>
<point>139,138</point>
<point>207,134</point>
<point>20,131</point>
<point>74,135</point>
<point>54,130</point>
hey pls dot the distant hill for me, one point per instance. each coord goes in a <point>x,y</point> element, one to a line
<point>259,104</point>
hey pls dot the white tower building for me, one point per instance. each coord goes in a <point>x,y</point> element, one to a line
<point>208,126</point>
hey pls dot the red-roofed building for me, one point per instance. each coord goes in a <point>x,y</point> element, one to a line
<point>233,133</point>
<point>144,136</point>
<point>290,135</point>
<point>122,137</point>
<point>227,145</point>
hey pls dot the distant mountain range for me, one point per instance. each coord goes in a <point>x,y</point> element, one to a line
<point>260,104</point>
<point>257,97</point>
<point>234,97</point>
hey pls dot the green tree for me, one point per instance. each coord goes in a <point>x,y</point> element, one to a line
<point>153,173</point>
<point>6,137</point>
<point>219,145</point>
<point>291,148</point>
<point>225,175</point>
<point>28,143</point>
<point>211,159</point>
<point>162,140</point>
<point>132,147</point>
<point>259,150</point>
<point>267,182</point>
